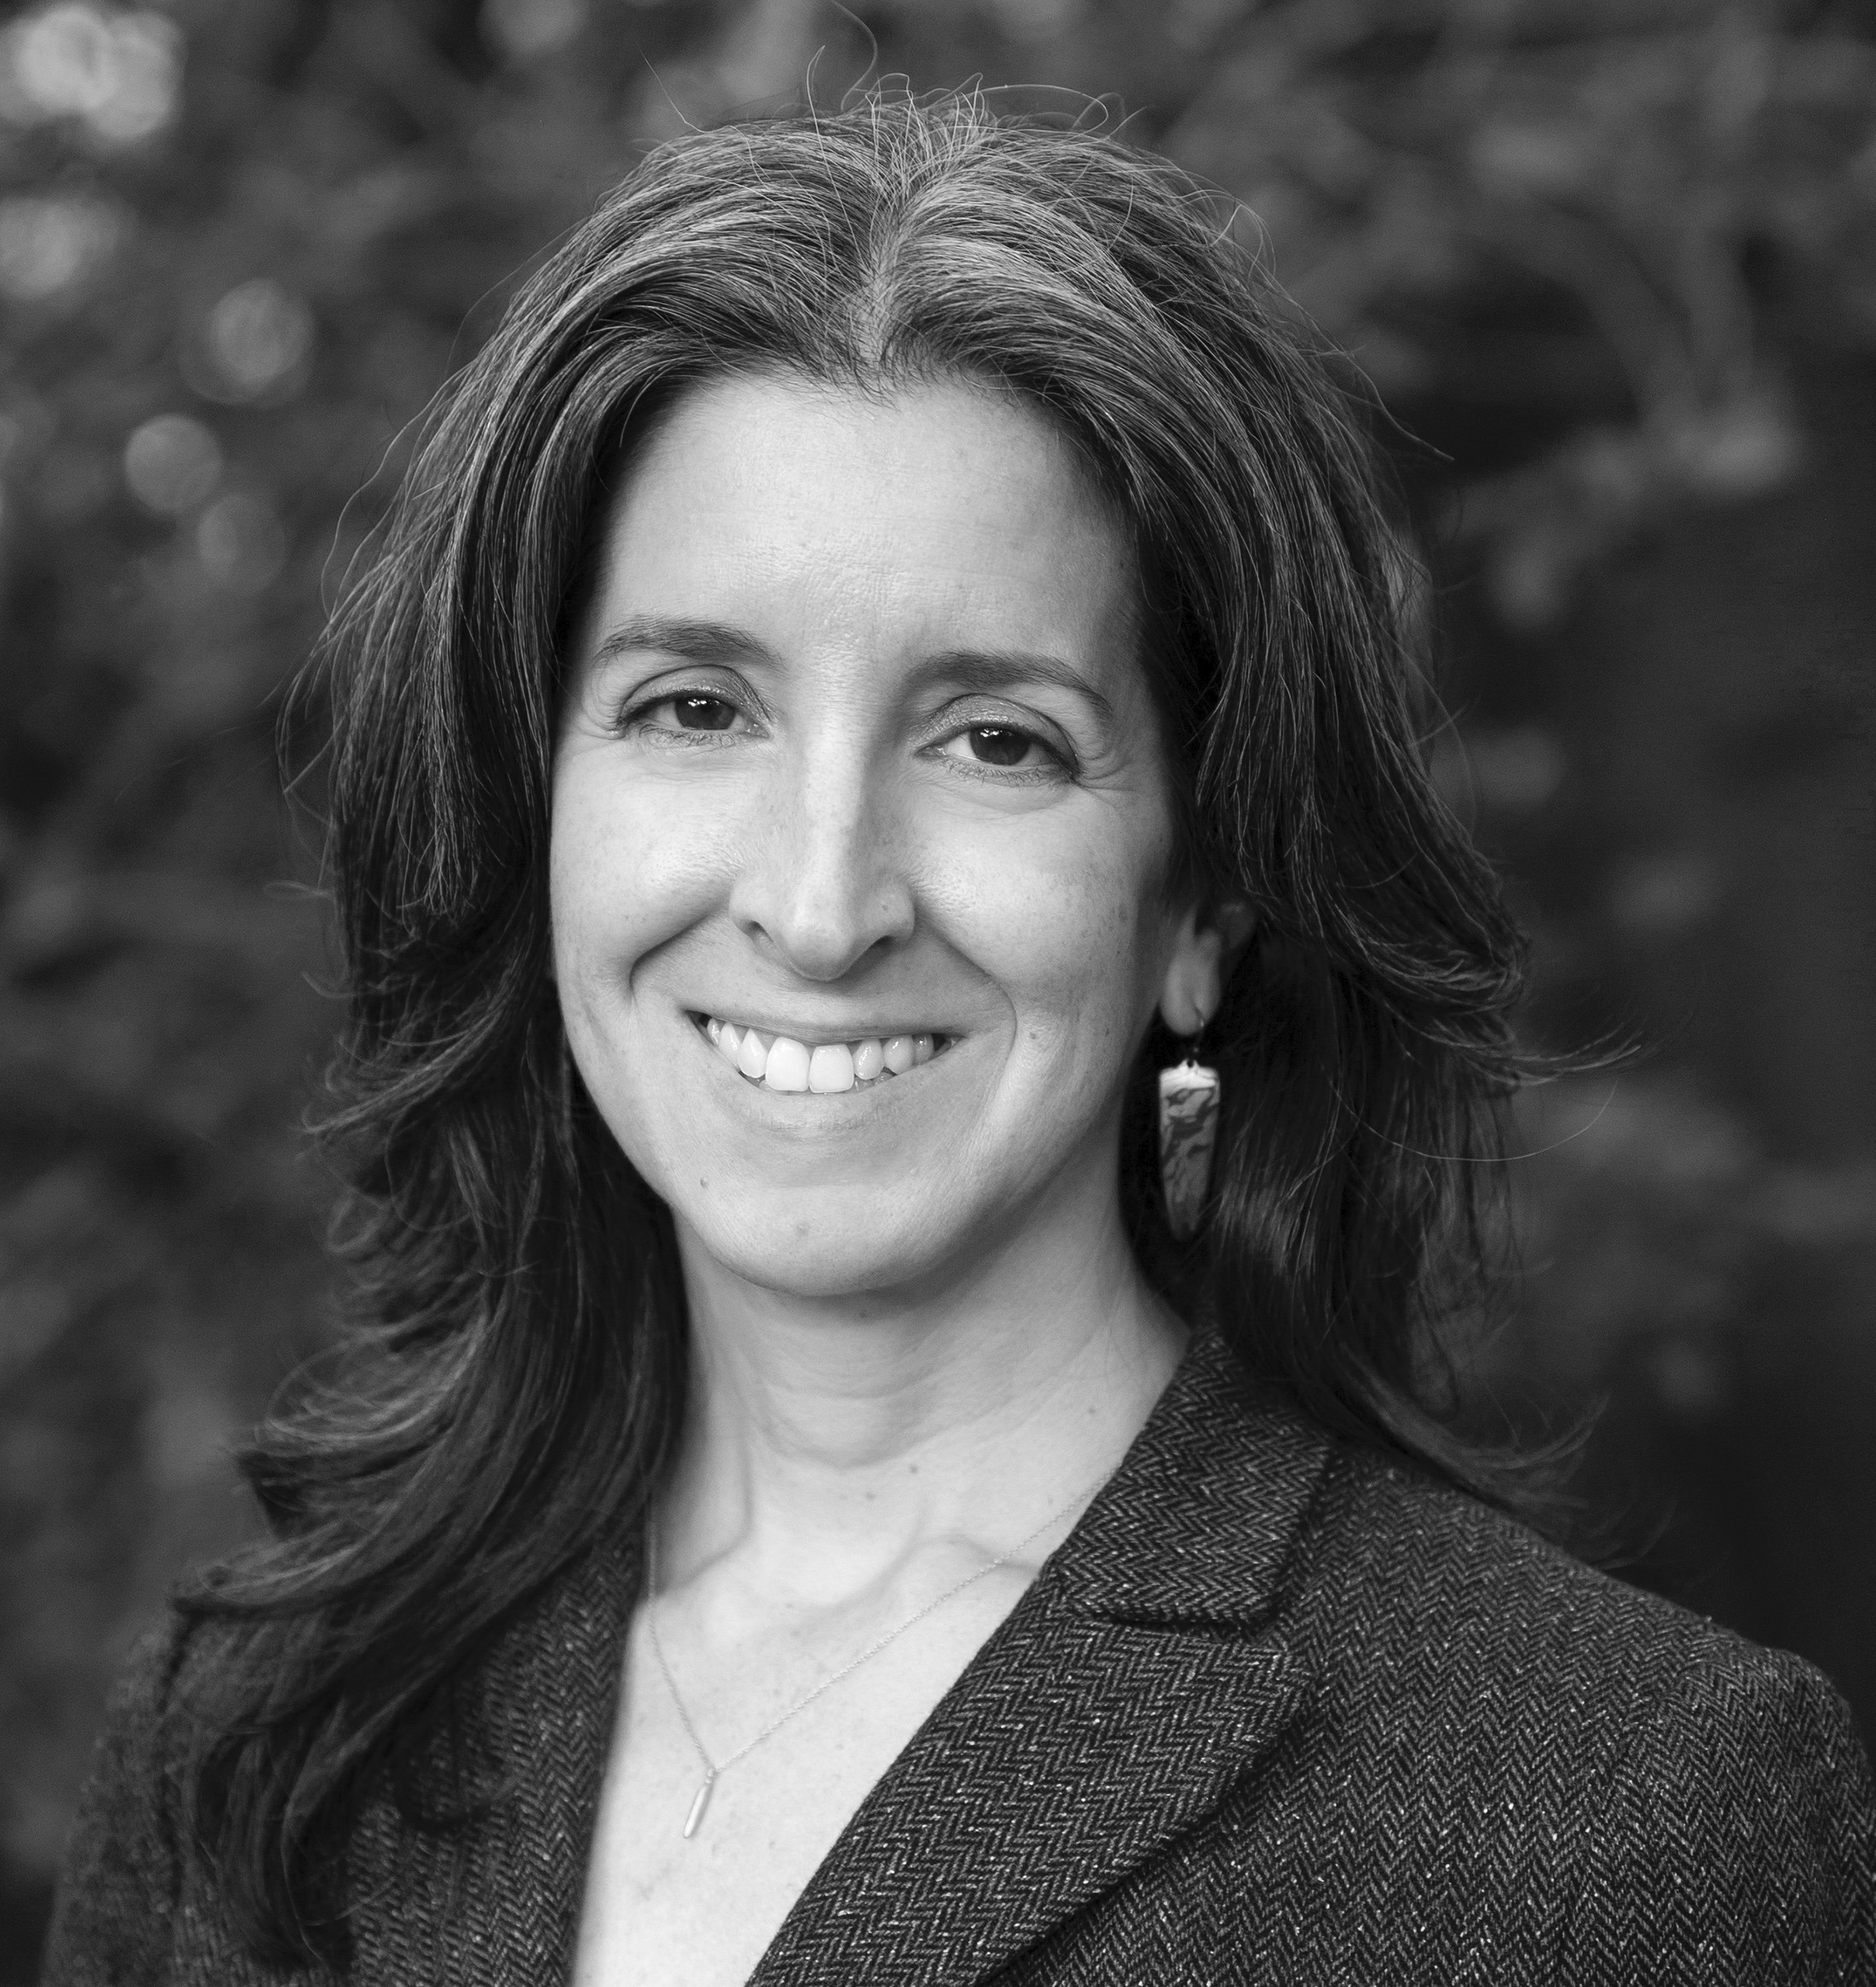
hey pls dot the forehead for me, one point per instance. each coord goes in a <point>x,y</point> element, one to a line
<point>821,516</point>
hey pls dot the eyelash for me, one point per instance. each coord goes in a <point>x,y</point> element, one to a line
<point>635,717</point>
<point>1062,769</point>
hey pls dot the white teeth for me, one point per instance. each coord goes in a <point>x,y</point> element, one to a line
<point>787,1068</point>
<point>831,1068</point>
<point>780,1062</point>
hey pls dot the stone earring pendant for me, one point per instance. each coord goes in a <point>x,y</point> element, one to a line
<point>1189,1099</point>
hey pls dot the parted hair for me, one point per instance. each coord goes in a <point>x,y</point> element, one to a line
<point>515,1366</point>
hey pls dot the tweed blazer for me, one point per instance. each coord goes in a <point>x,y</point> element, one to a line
<point>1275,1712</point>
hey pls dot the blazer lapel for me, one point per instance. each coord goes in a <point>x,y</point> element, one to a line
<point>1142,1674</point>
<point>497,1900</point>
<point>1137,1680</point>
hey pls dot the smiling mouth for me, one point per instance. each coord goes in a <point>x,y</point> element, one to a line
<point>780,1062</point>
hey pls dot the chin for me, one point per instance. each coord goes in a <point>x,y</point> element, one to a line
<point>838,1243</point>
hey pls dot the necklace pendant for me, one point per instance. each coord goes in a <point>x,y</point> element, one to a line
<point>700,1802</point>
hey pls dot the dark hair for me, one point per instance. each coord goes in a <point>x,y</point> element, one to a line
<point>519,1363</point>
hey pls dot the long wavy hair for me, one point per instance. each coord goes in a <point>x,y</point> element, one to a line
<point>518,1362</point>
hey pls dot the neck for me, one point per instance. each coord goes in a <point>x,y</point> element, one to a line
<point>827,1438</point>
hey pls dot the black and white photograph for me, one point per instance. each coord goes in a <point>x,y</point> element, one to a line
<point>937,993</point>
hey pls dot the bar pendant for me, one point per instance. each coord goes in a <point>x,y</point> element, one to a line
<point>694,1820</point>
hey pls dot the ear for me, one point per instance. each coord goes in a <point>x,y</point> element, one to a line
<point>1205,947</point>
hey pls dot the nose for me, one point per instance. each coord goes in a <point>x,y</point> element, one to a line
<point>822,884</point>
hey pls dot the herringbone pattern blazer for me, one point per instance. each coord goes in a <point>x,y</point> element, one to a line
<point>1276,1713</point>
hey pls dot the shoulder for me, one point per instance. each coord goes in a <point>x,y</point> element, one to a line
<point>1688,1792</point>
<point>117,1887</point>
<point>1451,1595</point>
<point>122,1876</point>
<point>1735,1820</point>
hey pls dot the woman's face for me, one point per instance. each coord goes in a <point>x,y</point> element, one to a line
<point>856,748</point>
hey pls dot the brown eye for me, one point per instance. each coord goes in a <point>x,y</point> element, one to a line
<point>703,713</point>
<point>1009,748</point>
<point>997,745</point>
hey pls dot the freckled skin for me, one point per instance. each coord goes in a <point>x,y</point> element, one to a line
<point>837,851</point>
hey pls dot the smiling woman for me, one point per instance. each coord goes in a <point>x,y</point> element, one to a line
<point>890,647</point>
<point>855,706</point>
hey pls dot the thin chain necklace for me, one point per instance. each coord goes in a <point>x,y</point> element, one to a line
<point>714,1769</point>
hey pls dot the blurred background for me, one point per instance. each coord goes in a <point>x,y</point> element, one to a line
<point>1611,265</point>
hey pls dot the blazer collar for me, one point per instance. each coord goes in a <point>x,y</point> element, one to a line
<point>1138,1679</point>
<point>1196,1525</point>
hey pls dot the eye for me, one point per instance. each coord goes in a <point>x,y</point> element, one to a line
<point>693,714</point>
<point>700,713</point>
<point>1005,747</point>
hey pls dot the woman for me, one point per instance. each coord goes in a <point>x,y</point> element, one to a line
<point>891,647</point>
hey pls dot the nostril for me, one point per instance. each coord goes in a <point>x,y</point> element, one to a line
<point>821,900</point>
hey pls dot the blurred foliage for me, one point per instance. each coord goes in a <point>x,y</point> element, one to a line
<point>1614,263</point>
<point>1558,212</point>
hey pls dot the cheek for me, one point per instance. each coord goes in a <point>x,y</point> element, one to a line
<point>1065,920</point>
<point>628,870</point>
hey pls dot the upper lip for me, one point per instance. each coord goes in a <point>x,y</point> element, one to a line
<point>835,1030</point>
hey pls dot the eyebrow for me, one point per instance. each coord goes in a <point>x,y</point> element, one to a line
<point>691,641</point>
<point>982,670</point>
<point>996,669</point>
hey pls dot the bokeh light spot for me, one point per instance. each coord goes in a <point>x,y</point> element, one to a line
<point>49,242</point>
<point>116,72</point>
<point>258,336</point>
<point>524,29</point>
<point>172,464</point>
<point>240,541</point>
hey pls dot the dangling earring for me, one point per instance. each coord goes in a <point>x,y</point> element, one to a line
<point>1188,1100</point>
